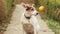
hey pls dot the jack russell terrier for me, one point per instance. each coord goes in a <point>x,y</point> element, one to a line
<point>29,20</point>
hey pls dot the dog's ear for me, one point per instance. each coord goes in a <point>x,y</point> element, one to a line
<point>23,5</point>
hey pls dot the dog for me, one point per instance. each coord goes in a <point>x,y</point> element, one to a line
<point>29,20</point>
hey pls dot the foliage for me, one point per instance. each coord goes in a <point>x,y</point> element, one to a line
<point>52,8</point>
<point>51,14</point>
<point>8,4</point>
<point>53,25</point>
<point>6,18</point>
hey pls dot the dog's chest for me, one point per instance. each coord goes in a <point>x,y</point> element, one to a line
<point>28,27</point>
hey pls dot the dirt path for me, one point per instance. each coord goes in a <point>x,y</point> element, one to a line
<point>15,26</point>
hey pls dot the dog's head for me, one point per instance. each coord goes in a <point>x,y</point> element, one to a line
<point>30,8</point>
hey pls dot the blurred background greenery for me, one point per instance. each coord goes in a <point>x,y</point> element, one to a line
<point>52,13</point>
<point>6,9</point>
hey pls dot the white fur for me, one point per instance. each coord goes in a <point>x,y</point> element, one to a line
<point>33,21</point>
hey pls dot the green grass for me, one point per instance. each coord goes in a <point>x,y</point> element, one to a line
<point>57,1</point>
<point>6,18</point>
<point>8,4</point>
<point>48,14</point>
<point>54,25</point>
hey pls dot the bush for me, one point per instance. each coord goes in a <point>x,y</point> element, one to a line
<point>52,8</point>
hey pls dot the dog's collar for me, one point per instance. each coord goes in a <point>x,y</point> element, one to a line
<point>27,17</point>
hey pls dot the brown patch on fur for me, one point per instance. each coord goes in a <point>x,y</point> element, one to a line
<point>29,29</point>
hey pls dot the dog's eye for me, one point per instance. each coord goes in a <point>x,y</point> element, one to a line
<point>27,9</point>
<point>32,9</point>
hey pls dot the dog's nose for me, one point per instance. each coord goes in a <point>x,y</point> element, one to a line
<point>36,13</point>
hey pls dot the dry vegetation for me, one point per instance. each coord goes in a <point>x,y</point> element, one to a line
<point>5,14</point>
